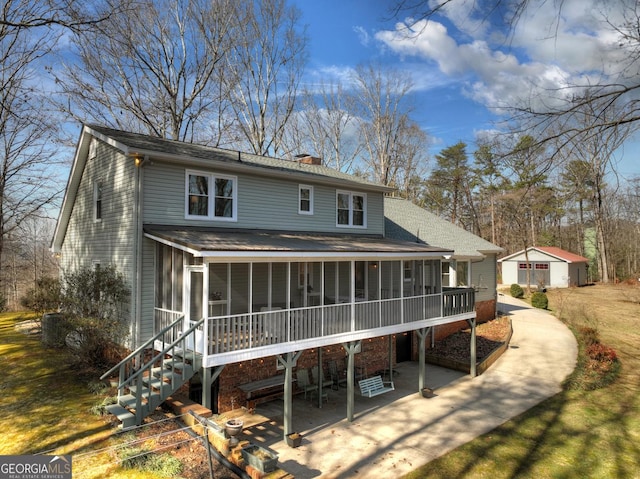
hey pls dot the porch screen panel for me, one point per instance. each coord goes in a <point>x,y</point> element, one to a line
<point>297,284</point>
<point>418,282</point>
<point>373,283</point>
<point>195,296</point>
<point>344,282</point>
<point>391,279</point>
<point>239,299</point>
<point>218,289</point>
<point>279,286</point>
<point>178,279</point>
<point>462,273</point>
<point>260,289</point>
<point>330,283</point>
<point>169,266</point>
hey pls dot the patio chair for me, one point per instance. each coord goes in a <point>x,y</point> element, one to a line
<point>337,378</point>
<point>316,378</point>
<point>302,376</point>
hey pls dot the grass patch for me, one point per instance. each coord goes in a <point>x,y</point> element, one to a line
<point>47,408</point>
<point>160,465</point>
<point>592,428</point>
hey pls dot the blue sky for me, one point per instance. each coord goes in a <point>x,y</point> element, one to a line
<point>463,68</point>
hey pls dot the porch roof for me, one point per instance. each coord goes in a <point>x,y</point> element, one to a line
<point>244,243</point>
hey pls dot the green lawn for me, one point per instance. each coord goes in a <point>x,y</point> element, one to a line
<point>46,408</point>
<point>577,433</point>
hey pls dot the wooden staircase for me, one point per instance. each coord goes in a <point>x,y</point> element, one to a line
<point>154,371</point>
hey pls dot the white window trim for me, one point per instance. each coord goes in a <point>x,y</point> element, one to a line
<point>300,210</point>
<point>211,197</point>
<point>364,211</point>
<point>96,186</point>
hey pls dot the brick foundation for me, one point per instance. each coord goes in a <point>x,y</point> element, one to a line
<point>374,357</point>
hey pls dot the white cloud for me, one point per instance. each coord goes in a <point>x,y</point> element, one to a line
<point>546,54</point>
<point>363,35</point>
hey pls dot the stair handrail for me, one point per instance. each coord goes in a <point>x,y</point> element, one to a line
<point>162,353</point>
<point>141,348</point>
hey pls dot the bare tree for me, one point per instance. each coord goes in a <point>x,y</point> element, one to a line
<point>325,126</point>
<point>74,15</point>
<point>594,149</point>
<point>153,67</point>
<point>386,129</point>
<point>263,70</point>
<point>27,151</point>
<point>551,113</point>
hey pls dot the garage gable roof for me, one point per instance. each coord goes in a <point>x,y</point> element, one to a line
<point>553,251</point>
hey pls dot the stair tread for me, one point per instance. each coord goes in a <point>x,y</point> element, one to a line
<point>120,412</point>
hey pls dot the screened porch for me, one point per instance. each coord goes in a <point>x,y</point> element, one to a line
<point>245,310</point>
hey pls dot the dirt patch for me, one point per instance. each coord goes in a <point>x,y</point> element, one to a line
<point>166,435</point>
<point>456,348</point>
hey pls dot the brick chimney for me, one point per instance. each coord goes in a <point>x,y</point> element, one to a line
<point>307,159</point>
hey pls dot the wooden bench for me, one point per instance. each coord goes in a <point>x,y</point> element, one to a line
<point>263,390</point>
<point>374,385</point>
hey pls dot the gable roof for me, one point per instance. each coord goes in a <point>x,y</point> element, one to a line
<point>193,155</point>
<point>554,251</point>
<point>407,221</point>
<point>136,144</point>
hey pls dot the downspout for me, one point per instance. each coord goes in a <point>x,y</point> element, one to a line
<point>138,199</point>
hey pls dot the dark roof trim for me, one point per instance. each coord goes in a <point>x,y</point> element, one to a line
<point>263,244</point>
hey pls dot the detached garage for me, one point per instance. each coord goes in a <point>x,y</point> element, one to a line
<point>550,267</point>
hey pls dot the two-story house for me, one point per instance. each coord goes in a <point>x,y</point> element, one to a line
<point>244,267</point>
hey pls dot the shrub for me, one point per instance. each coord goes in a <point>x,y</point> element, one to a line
<point>44,297</point>
<point>598,364</point>
<point>94,301</point>
<point>589,335</point>
<point>539,300</point>
<point>601,353</point>
<point>517,291</point>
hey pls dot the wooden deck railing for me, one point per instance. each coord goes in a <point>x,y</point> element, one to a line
<point>225,334</point>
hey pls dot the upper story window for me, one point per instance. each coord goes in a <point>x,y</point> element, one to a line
<point>97,200</point>
<point>351,209</point>
<point>211,196</point>
<point>305,200</point>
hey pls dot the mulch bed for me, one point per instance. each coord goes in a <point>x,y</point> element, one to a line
<point>489,336</point>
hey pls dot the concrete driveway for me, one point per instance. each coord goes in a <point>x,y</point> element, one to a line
<point>397,432</point>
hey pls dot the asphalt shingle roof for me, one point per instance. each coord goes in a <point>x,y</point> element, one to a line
<point>407,221</point>
<point>227,240</point>
<point>136,142</point>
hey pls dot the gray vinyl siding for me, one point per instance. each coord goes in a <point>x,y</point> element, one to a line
<point>483,278</point>
<point>147,327</point>
<point>111,240</point>
<point>263,203</point>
